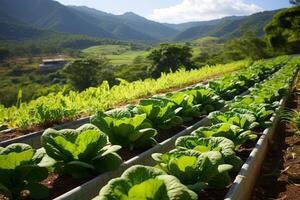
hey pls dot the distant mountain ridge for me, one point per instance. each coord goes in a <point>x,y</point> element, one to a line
<point>32,18</point>
<point>229,28</point>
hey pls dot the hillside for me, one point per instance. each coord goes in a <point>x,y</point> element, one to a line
<point>51,15</point>
<point>187,25</point>
<point>228,28</point>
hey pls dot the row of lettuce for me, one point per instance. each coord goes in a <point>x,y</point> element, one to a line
<point>62,106</point>
<point>92,149</point>
<point>205,158</point>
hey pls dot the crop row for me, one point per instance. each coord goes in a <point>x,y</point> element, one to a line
<point>54,108</point>
<point>91,149</point>
<point>205,158</point>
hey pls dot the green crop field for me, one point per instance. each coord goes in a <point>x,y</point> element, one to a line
<point>116,54</point>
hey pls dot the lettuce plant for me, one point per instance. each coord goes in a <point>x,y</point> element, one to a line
<point>221,144</point>
<point>20,174</point>
<point>228,86</point>
<point>194,169</point>
<point>246,121</point>
<point>256,107</point>
<point>205,99</point>
<point>162,114</point>
<point>145,183</point>
<point>80,153</point>
<point>262,115</point>
<point>232,132</point>
<point>124,129</point>
<point>184,101</point>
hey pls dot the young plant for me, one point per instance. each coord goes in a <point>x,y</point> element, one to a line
<point>293,116</point>
<point>162,114</point>
<point>79,153</point>
<point>20,174</point>
<point>245,121</point>
<point>145,183</point>
<point>225,146</point>
<point>124,129</point>
<point>237,135</point>
<point>194,169</point>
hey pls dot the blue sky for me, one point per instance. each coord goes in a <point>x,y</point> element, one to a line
<point>177,11</point>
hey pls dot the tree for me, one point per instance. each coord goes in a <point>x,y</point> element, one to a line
<point>295,2</point>
<point>87,72</point>
<point>283,32</point>
<point>247,46</point>
<point>170,57</point>
<point>4,53</point>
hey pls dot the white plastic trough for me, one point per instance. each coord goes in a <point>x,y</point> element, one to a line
<point>244,182</point>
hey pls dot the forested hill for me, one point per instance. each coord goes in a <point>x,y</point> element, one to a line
<point>51,15</point>
<point>230,27</point>
<point>27,19</point>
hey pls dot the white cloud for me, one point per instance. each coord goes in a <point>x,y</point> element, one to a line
<point>199,10</point>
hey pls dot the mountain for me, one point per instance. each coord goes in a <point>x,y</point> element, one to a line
<point>51,15</point>
<point>131,20</point>
<point>187,25</point>
<point>32,18</point>
<point>228,27</point>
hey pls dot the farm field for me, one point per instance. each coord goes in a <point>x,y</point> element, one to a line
<point>122,54</point>
<point>116,54</point>
<point>172,100</point>
<point>220,146</point>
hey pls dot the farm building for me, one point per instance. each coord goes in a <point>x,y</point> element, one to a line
<point>52,64</point>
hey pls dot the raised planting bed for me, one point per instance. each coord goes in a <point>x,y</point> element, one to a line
<point>279,175</point>
<point>245,180</point>
<point>32,137</point>
<point>235,191</point>
<point>90,189</point>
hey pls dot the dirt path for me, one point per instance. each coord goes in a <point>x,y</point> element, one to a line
<point>280,173</point>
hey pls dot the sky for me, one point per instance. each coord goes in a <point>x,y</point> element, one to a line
<point>178,11</point>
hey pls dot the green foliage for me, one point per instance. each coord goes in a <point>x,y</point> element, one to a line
<point>295,2</point>
<point>144,183</point>
<point>84,73</point>
<point>245,121</point>
<point>196,170</point>
<point>162,114</point>
<point>193,102</point>
<point>227,130</point>
<point>20,174</point>
<point>283,31</point>
<point>170,57</point>
<point>104,97</point>
<point>225,146</point>
<point>293,117</point>
<point>80,153</point>
<point>249,47</point>
<point>124,129</point>
<point>4,54</point>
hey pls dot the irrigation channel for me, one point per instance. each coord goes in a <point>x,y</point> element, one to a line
<point>241,187</point>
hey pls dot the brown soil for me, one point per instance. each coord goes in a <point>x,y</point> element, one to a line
<point>61,184</point>
<point>19,132</point>
<point>280,173</point>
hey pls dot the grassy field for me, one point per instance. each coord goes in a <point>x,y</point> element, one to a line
<point>116,54</point>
